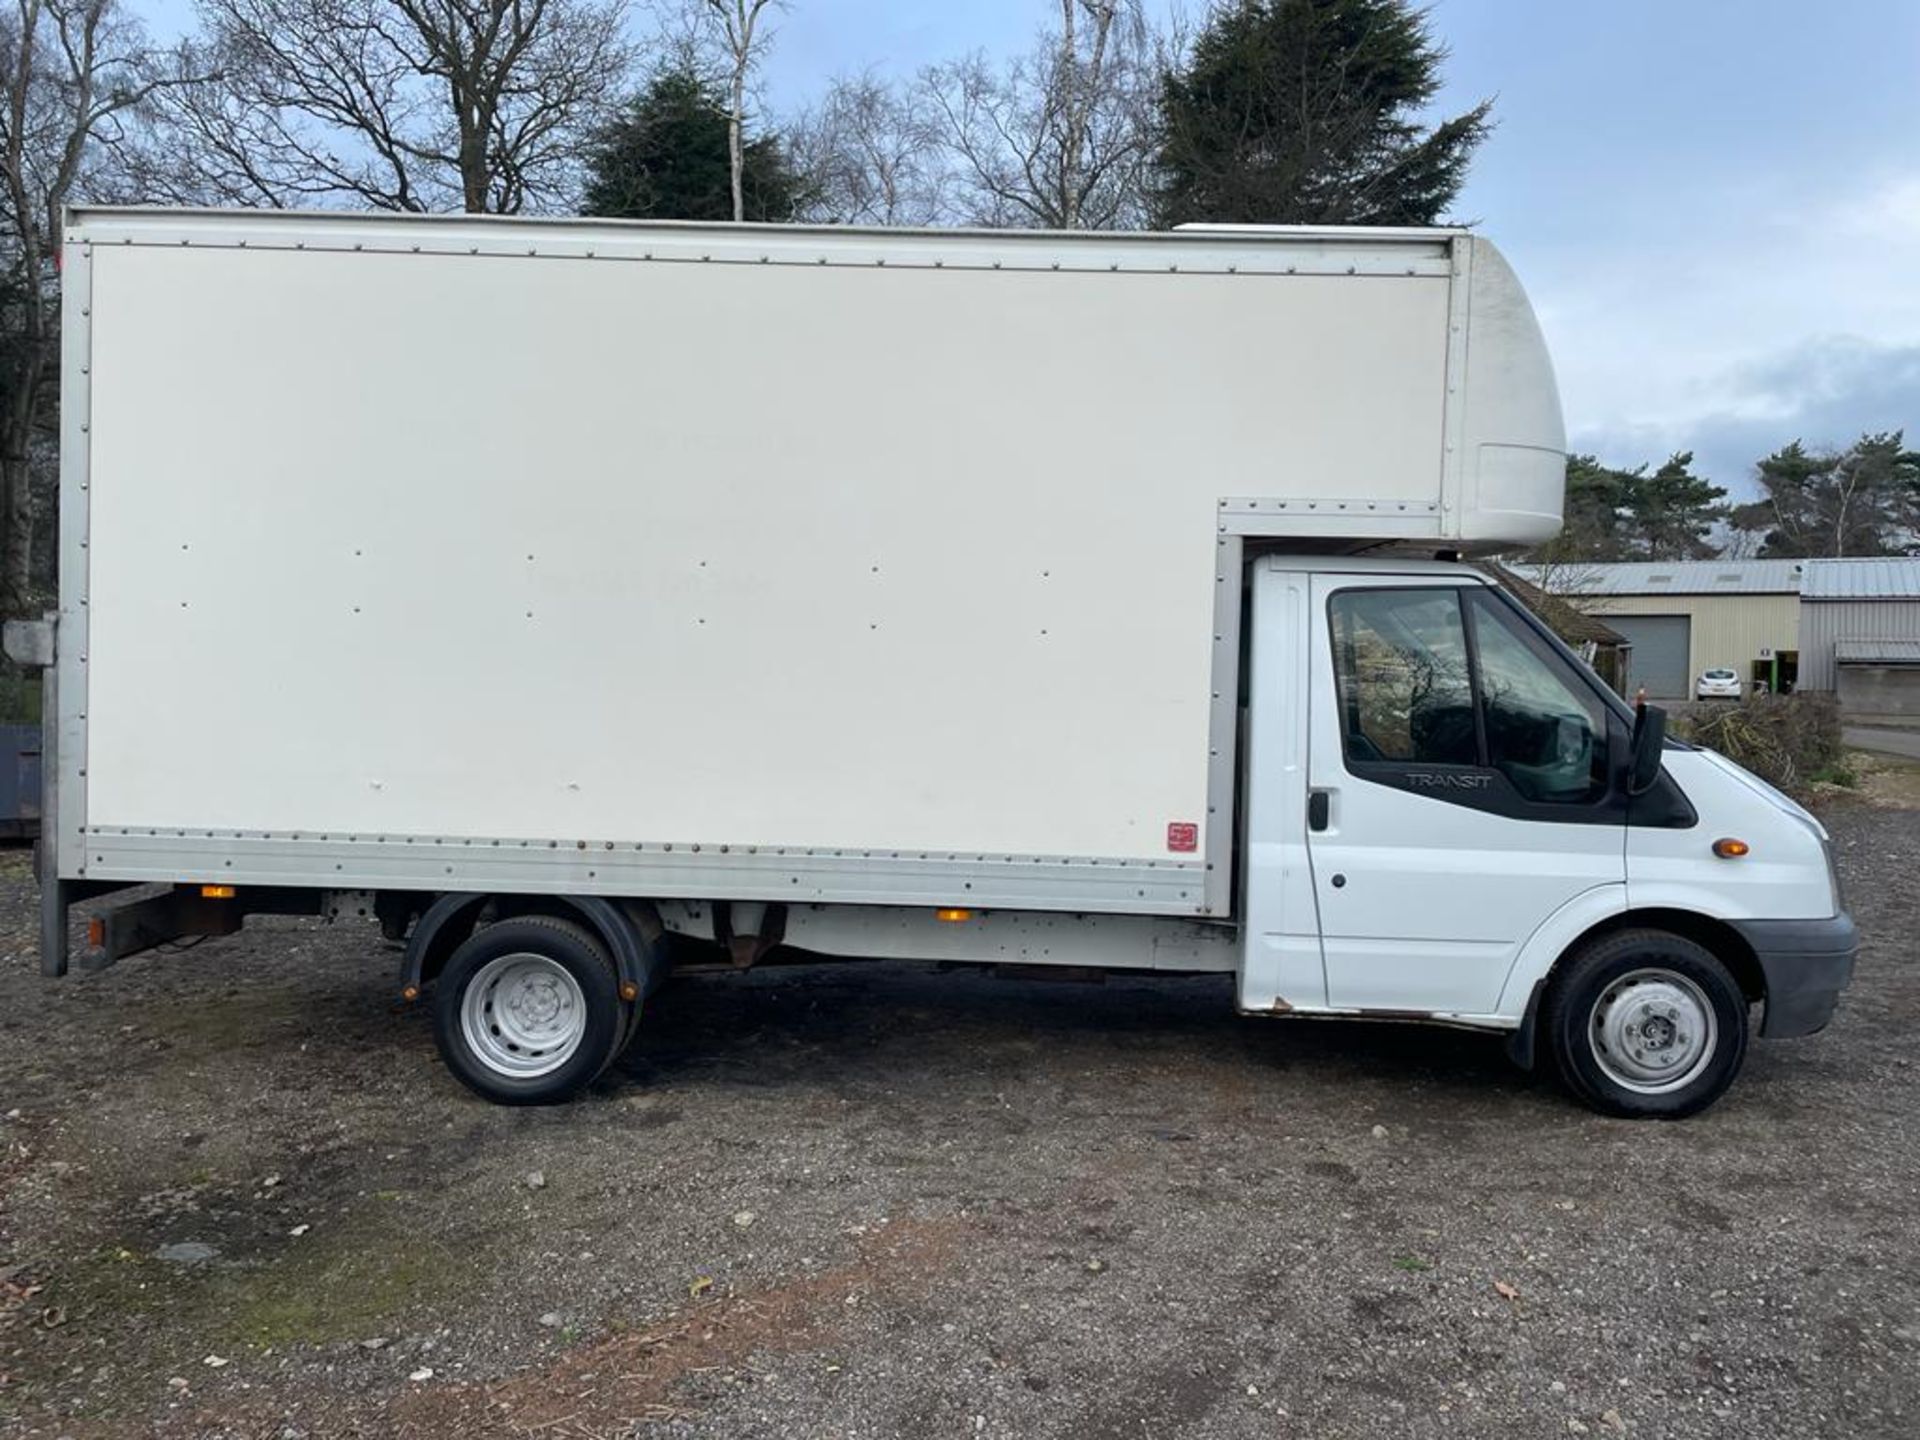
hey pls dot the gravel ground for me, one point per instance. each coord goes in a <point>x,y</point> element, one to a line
<point>239,1197</point>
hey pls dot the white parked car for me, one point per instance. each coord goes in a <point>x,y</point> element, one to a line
<point>1718,685</point>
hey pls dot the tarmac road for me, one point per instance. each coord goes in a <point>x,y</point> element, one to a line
<point>1904,743</point>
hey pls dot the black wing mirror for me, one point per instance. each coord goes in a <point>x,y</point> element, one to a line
<point>1649,739</point>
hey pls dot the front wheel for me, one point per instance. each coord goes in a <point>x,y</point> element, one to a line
<point>1647,1023</point>
<point>528,1011</point>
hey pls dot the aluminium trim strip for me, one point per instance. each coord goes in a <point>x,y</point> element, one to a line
<point>1328,505</point>
<point>1142,253</point>
<point>1223,723</point>
<point>95,213</point>
<point>1453,429</point>
<point>603,868</point>
<point>66,816</point>
<point>1345,519</point>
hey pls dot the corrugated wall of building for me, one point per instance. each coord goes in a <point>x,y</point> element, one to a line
<point>1730,630</point>
<point>1824,621</point>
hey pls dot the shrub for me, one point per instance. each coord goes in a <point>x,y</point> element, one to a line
<point>1788,740</point>
<point>1845,776</point>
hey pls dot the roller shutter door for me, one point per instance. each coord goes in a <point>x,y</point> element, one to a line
<point>1660,654</point>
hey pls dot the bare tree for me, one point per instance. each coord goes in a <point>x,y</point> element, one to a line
<point>737,27</point>
<point>870,154</point>
<point>1742,544</point>
<point>74,71</point>
<point>1561,576</point>
<point>1061,137</point>
<point>481,105</point>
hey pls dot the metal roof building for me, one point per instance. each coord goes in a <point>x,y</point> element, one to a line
<point>1877,652</point>
<point>1890,577</point>
<point>1860,622</point>
<point>1788,624</point>
<point>1682,617</point>
<point>1676,577</point>
<point>1599,644</point>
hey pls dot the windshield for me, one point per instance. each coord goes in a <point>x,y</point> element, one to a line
<point>1545,730</point>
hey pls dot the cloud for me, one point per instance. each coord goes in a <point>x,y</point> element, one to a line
<point>1768,307</point>
<point>1825,392</point>
<point>1890,211</point>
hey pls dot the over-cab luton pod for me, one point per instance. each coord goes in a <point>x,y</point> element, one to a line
<point>552,589</point>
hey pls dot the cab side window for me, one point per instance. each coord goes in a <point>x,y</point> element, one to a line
<point>1405,691</point>
<point>1546,732</point>
<point>1447,676</point>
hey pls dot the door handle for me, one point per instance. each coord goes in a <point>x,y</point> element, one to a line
<point>1319,809</point>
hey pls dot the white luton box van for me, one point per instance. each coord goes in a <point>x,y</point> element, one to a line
<point>563,593</point>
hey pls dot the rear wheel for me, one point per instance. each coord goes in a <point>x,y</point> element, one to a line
<point>1647,1023</point>
<point>528,1010</point>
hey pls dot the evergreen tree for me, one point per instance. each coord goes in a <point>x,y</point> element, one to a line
<point>1308,112</point>
<point>666,158</point>
<point>1670,513</point>
<point>1591,531</point>
<point>1615,514</point>
<point>1864,500</point>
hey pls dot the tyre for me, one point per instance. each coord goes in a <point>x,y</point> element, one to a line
<point>528,1011</point>
<point>1645,1023</point>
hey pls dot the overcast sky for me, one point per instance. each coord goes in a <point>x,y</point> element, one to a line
<point>1714,203</point>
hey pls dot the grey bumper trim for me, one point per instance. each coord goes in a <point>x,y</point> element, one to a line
<point>1806,964</point>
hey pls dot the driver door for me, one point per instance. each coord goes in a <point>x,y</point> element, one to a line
<point>1463,782</point>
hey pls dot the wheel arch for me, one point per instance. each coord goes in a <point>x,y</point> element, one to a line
<point>631,931</point>
<point>1720,939</point>
<point>1600,913</point>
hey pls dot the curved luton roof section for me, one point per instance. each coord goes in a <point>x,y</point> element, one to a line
<point>1511,440</point>
<point>1504,451</point>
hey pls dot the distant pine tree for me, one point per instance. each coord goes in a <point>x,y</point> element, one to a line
<point>1670,513</point>
<point>666,158</point>
<point>1865,500</point>
<point>1306,112</point>
<point>1591,532</point>
<point>1615,514</point>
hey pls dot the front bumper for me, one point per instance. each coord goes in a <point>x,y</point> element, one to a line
<point>1806,964</point>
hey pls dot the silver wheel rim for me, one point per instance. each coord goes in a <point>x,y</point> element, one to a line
<point>1653,1031</point>
<point>523,1015</point>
